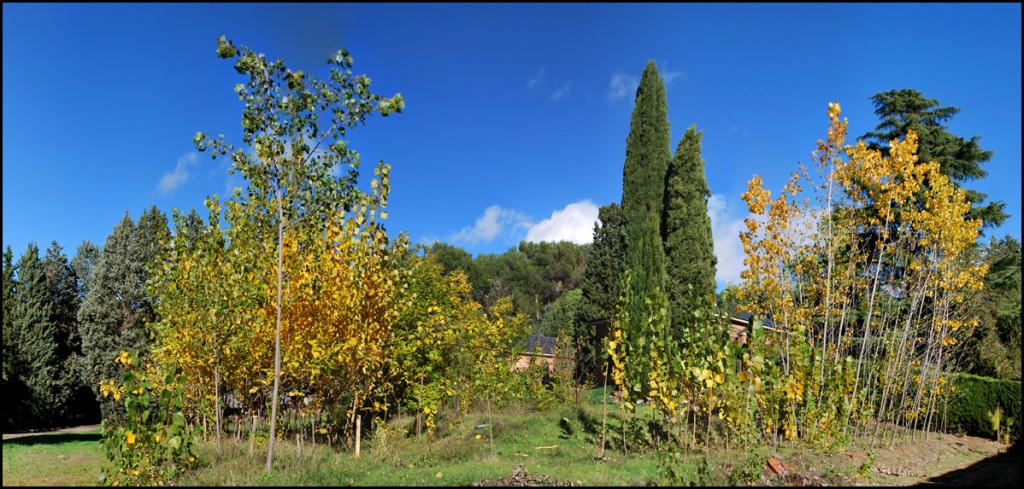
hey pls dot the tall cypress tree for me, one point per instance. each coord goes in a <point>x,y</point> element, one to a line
<point>689,246</point>
<point>643,317</point>
<point>643,187</point>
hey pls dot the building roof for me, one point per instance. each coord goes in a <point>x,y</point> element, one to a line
<point>545,343</point>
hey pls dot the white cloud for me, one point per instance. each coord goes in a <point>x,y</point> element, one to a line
<point>536,79</point>
<point>573,223</point>
<point>561,92</point>
<point>622,85</point>
<point>172,180</point>
<point>670,76</point>
<point>489,226</point>
<point>725,231</point>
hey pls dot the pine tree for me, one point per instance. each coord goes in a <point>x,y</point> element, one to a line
<point>115,314</point>
<point>83,263</point>
<point>600,281</point>
<point>62,287</point>
<point>36,342</point>
<point>12,386</point>
<point>689,247</point>
<point>960,159</point>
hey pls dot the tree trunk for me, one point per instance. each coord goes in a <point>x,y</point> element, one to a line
<point>277,335</point>
<point>216,403</point>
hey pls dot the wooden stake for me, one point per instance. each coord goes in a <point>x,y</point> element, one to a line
<point>358,433</point>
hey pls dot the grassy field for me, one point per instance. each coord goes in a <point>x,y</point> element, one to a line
<point>558,446</point>
<point>66,459</point>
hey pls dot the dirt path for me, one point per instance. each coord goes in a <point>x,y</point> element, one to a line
<point>73,429</point>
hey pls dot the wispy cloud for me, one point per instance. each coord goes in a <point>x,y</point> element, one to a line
<point>174,179</point>
<point>573,223</point>
<point>561,92</point>
<point>495,222</point>
<point>536,79</point>
<point>670,76</point>
<point>622,85</point>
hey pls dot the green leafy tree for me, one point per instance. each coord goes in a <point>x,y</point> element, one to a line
<point>996,346</point>
<point>960,159</point>
<point>689,247</point>
<point>451,257</point>
<point>558,264</point>
<point>291,168</point>
<point>559,316</point>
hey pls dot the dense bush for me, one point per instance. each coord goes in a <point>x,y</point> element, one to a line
<point>976,397</point>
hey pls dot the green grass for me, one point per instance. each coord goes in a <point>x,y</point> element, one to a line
<point>53,460</point>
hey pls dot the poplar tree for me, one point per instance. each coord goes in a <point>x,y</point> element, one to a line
<point>689,247</point>
<point>296,123</point>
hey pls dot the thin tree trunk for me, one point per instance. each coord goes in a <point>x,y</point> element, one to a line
<point>277,335</point>
<point>604,416</point>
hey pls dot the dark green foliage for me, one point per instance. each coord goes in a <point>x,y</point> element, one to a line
<point>643,192</point>
<point>83,263</point>
<point>558,318</point>
<point>29,394</point>
<point>115,314</point>
<point>603,272</point>
<point>996,342</point>
<point>599,282</point>
<point>975,397</point>
<point>689,246</point>
<point>560,266</point>
<point>9,284</point>
<point>70,399</point>
<point>960,159</point>
<point>451,257</point>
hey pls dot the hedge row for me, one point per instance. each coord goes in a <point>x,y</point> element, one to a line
<point>975,397</point>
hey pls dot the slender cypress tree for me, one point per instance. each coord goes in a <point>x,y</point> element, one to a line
<point>643,187</point>
<point>689,246</point>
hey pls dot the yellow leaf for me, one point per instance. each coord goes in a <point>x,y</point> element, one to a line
<point>131,437</point>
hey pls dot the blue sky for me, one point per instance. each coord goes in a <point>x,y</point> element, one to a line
<point>516,114</point>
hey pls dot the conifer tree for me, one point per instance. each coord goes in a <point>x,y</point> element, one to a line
<point>689,247</point>
<point>643,187</point>
<point>62,288</point>
<point>600,280</point>
<point>36,345</point>
<point>115,314</point>
<point>959,159</point>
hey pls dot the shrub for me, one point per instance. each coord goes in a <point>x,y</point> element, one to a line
<point>975,397</point>
<point>154,445</point>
